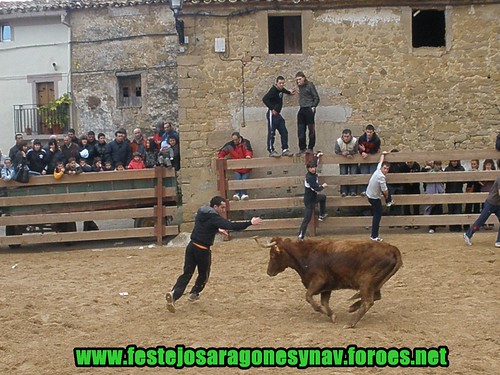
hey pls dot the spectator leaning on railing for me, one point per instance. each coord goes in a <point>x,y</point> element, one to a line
<point>238,148</point>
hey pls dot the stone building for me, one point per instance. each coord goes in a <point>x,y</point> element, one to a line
<point>426,76</point>
<point>124,70</point>
<point>116,58</point>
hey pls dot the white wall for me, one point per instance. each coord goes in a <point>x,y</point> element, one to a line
<point>37,42</point>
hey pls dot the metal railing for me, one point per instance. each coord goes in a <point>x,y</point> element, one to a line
<point>32,118</point>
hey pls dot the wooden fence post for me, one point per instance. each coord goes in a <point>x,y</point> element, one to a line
<point>159,175</point>
<point>221,166</point>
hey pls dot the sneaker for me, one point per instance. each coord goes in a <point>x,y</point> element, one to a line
<point>416,227</point>
<point>431,231</point>
<point>363,194</point>
<point>378,239</point>
<point>497,244</point>
<point>170,302</point>
<point>322,217</point>
<point>193,297</point>
<point>300,153</point>
<point>309,151</point>
<point>244,197</point>
<point>300,238</point>
<point>343,194</point>
<point>467,239</point>
<point>274,154</point>
<point>407,227</point>
<point>236,197</point>
<point>353,194</point>
<point>286,152</point>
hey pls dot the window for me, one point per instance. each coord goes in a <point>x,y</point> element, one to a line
<point>428,28</point>
<point>285,34</point>
<point>129,91</point>
<point>5,33</point>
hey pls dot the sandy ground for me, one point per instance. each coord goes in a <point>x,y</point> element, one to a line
<point>56,298</point>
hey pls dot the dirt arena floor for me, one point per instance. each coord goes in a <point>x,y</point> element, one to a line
<point>56,298</point>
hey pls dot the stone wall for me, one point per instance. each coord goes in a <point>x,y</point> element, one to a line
<point>111,41</point>
<point>364,68</point>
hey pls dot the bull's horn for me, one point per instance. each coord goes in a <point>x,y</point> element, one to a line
<point>268,245</point>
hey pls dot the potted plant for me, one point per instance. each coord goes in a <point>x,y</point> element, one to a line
<point>55,114</point>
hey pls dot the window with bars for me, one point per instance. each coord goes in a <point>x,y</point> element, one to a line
<point>129,91</point>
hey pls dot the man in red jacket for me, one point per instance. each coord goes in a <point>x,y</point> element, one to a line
<point>238,148</point>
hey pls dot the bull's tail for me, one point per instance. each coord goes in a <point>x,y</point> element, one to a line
<point>397,265</point>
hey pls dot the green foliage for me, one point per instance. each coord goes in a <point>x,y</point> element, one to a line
<point>56,112</point>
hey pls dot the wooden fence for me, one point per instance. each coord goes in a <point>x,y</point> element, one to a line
<point>285,182</point>
<point>46,210</point>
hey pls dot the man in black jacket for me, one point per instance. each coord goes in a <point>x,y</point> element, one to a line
<point>208,223</point>
<point>37,158</point>
<point>118,151</point>
<point>14,149</point>
<point>274,102</point>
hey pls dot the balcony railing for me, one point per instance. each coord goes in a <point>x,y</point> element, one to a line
<point>35,119</point>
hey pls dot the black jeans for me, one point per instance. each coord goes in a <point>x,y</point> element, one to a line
<point>377,215</point>
<point>305,120</point>
<point>321,199</point>
<point>194,257</point>
<point>276,123</point>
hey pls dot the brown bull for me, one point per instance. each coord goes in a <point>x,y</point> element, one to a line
<point>325,265</point>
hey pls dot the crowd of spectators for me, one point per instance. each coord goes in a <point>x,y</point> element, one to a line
<point>87,154</point>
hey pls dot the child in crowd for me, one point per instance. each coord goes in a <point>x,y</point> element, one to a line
<point>97,167</point>
<point>434,188</point>
<point>166,155</point>
<point>488,165</point>
<point>59,170</point>
<point>8,170</point>
<point>85,167</point>
<point>72,167</point>
<point>473,187</point>
<point>119,166</point>
<point>136,162</point>
<point>174,145</point>
<point>151,156</point>
<point>108,166</point>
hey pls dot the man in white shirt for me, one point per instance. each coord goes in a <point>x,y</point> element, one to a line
<point>377,188</point>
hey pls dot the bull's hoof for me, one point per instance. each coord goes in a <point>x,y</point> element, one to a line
<point>349,326</point>
<point>355,306</point>
<point>356,296</point>
<point>333,318</point>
